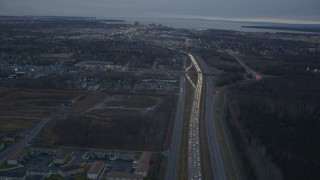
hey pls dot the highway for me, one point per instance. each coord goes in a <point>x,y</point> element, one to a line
<point>194,158</point>
<point>173,153</point>
<point>217,164</point>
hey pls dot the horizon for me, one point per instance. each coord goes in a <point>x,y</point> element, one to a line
<point>222,19</point>
<point>273,11</point>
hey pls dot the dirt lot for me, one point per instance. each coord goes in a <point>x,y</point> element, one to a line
<point>27,97</point>
<point>87,101</point>
<point>21,109</point>
<point>134,101</point>
<point>113,128</point>
<point>107,112</point>
<point>26,112</point>
<point>10,125</point>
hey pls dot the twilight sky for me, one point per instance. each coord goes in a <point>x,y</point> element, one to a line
<point>291,11</point>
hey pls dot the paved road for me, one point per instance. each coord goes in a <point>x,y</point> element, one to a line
<point>194,160</point>
<point>217,165</point>
<point>34,132</point>
<point>247,68</point>
<point>173,153</point>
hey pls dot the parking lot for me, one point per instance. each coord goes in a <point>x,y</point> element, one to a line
<point>78,157</point>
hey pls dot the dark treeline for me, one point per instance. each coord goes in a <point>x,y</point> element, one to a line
<point>278,120</point>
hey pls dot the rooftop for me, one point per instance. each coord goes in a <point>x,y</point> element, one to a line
<point>95,167</point>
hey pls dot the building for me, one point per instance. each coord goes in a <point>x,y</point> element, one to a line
<point>9,138</point>
<point>71,171</point>
<point>95,170</point>
<point>38,171</point>
<point>123,155</point>
<point>18,156</point>
<point>43,150</point>
<point>101,154</point>
<point>61,157</point>
<point>143,164</point>
<point>123,176</point>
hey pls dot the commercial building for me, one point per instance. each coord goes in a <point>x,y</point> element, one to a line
<point>18,156</point>
<point>9,138</point>
<point>95,170</point>
<point>123,176</point>
<point>71,170</point>
<point>61,157</point>
<point>143,164</point>
<point>43,150</point>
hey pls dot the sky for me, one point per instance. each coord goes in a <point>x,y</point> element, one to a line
<point>286,11</point>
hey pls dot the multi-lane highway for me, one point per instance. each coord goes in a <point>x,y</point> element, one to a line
<point>217,164</point>
<point>194,159</point>
<point>173,153</point>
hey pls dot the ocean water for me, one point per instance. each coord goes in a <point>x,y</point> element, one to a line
<point>208,24</point>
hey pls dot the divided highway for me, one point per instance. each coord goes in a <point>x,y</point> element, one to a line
<point>173,153</point>
<point>217,164</point>
<point>194,159</point>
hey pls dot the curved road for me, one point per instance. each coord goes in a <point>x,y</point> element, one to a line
<point>34,132</point>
